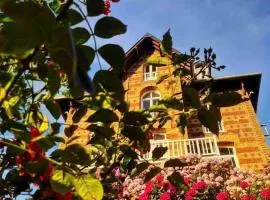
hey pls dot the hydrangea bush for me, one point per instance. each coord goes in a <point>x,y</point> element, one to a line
<point>200,178</point>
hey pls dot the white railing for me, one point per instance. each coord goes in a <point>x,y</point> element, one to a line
<point>176,148</point>
<point>148,76</point>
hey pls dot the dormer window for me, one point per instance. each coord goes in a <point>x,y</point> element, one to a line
<point>150,72</point>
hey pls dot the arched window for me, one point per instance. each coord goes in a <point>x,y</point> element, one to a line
<point>149,99</point>
<point>150,72</point>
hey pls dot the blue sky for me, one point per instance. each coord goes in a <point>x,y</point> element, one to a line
<point>239,32</point>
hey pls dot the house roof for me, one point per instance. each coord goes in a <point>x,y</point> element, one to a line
<point>147,43</point>
<point>251,84</point>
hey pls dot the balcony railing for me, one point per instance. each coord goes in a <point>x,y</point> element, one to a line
<point>176,148</point>
<point>148,76</point>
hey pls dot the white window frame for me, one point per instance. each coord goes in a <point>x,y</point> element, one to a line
<point>233,155</point>
<point>151,99</point>
<point>150,75</point>
<point>220,127</point>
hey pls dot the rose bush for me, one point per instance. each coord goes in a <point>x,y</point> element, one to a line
<point>201,178</point>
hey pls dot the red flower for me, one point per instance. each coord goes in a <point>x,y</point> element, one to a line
<point>47,174</point>
<point>248,197</point>
<point>34,132</point>
<point>186,181</point>
<point>143,196</point>
<point>165,196</point>
<point>191,193</point>
<point>148,187</point>
<point>160,179</point>
<point>171,188</point>
<point>223,196</point>
<point>201,185</point>
<point>244,184</point>
<point>107,7</point>
<point>67,196</point>
<point>265,194</point>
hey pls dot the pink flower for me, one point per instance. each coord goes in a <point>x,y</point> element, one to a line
<point>160,179</point>
<point>148,187</point>
<point>244,184</point>
<point>248,197</point>
<point>265,194</point>
<point>143,196</point>
<point>171,188</point>
<point>186,180</point>
<point>223,196</point>
<point>165,196</point>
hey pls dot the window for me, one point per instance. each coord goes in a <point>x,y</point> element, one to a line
<point>159,136</point>
<point>150,72</point>
<point>149,99</point>
<point>229,152</point>
<point>220,127</point>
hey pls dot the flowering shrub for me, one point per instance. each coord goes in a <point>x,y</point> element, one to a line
<point>202,178</point>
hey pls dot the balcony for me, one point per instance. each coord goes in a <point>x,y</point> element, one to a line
<point>203,146</point>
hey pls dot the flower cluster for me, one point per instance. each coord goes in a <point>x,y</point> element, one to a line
<point>203,178</point>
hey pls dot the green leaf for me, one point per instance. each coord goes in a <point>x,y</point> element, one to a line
<point>102,131</point>
<point>224,99</point>
<point>86,56</point>
<point>105,116</point>
<point>37,167</point>
<point>95,7</point>
<point>191,97</point>
<point>80,35</point>
<point>108,27</point>
<point>172,102</point>
<point>32,26</point>
<point>209,118</point>
<point>134,133</point>
<point>128,151</point>
<point>11,106</point>
<point>38,120</point>
<point>110,82</point>
<point>114,55</point>
<point>46,142</point>
<point>152,173</point>
<point>174,163</point>
<point>5,81</point>
<point>166,44</point>
<point>135,118</point>
<point>84,79</point>
<point>55,127</point>
<point>140,168</point>
<point>182,122</point>
<point>61,182</point>
<point>79,114</point>
<point>19,130</point>
<point>88,188</point>
<point>158,60</point>
<point>53,108</point>
<point>53,83</point>
<point>74,17</point>
<point>158,152</point>
<point>176,179</point>
<point>76,154</point>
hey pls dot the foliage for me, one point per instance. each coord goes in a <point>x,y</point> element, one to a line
<point>45,53</point>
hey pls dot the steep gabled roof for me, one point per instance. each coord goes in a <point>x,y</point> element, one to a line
<point>251,84</point>
<point>147,43</point>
